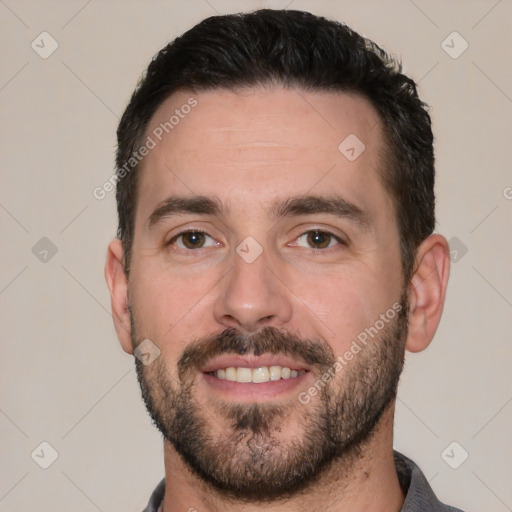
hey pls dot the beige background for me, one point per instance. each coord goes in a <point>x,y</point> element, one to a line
<point>63,376</point>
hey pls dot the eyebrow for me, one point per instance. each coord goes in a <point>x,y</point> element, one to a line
<point>331,205</point>
<point>294,206</point>
<point>201,205</point>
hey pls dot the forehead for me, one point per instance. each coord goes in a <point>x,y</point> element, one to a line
<point>259,145</point>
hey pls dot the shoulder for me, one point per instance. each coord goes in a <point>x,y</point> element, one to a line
<point>156,498</point>
<point>419,496</point>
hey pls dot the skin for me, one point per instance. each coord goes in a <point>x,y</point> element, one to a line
<point>250,149</point>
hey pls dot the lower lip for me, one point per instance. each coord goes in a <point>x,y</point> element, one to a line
<point>255,391</point>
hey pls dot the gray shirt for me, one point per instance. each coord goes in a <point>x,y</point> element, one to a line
<point>419,496</point>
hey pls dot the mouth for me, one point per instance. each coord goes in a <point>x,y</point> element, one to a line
<point>254,377</point>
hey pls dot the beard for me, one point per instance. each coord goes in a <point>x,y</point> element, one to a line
<point>243,450</point>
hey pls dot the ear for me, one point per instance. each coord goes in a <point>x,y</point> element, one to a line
<point>427,291</point>
<point>117,282</point>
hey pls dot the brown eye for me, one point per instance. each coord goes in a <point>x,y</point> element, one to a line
<point>318,239</point>
<point>193,240</point>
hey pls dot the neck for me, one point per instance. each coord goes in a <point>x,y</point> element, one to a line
<point>368,481</point>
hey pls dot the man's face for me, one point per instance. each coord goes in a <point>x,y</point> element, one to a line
<point>258,243</point>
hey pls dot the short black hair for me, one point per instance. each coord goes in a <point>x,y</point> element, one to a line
<point>293,49</point>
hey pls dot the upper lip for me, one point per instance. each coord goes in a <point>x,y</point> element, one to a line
<point>252,361</point>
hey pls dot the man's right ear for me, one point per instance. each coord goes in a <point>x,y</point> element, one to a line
<point>117,282</point>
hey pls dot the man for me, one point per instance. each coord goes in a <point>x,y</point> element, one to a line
<point>274,260</point>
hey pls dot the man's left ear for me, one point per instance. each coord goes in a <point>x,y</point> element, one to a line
<point>427,291</point>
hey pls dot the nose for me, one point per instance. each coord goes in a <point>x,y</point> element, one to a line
<point>252,296</point>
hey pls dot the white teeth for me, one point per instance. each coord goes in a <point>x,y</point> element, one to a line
<point>243,375</point>
<point>260,374</point>
<point>230,373</point>
<point>275,372</point>
<point>257,375</point>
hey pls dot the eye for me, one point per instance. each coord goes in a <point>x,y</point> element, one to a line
<point>317,239</point>
<point>193,240</point>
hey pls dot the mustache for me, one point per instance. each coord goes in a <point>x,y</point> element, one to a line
<point>315,353</point>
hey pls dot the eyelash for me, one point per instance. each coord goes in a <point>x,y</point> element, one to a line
<point>339,240</point>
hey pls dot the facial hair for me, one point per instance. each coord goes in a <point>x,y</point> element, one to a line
<point>239,449</point>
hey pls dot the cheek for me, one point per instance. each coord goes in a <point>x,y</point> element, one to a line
<point>170,306</point>
<point>340,307</point>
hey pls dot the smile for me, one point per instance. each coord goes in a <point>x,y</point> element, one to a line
<point>256,375</point>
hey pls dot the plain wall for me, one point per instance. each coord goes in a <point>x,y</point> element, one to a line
<point>63,376</point>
